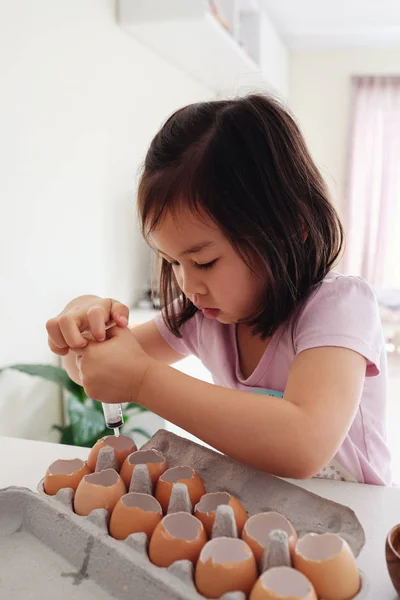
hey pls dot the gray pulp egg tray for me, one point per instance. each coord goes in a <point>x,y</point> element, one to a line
<point>47,551</point>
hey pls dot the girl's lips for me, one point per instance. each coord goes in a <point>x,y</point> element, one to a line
<point>210,313</point>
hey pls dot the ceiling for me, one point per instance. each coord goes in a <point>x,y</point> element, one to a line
<point>320,23</point>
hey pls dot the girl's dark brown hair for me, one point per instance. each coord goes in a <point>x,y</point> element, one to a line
<point>245,164</point>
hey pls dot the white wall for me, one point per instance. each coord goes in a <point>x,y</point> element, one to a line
<point>320,98</point>
<point>80,101</point>
<point>274,58</point>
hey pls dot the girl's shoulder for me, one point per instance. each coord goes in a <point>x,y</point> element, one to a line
<point>341,310</point>
<point>337,292</point>
<point>337,283</point>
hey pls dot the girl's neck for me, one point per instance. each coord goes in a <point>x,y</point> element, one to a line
<point>250,347</point>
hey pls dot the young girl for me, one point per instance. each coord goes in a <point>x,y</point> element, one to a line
<point>239,215</point>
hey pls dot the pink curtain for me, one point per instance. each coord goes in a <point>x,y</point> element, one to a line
<point>372,192</point>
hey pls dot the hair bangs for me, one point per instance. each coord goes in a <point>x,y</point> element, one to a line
<point>169,192</point>
<point>183,185</point>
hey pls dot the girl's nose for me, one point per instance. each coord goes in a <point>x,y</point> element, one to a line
<point>192,286</point>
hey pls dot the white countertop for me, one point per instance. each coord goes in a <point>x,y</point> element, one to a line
<point>24,462</point>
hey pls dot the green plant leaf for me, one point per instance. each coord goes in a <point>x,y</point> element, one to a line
<point>51,373</point>
<point>66,434</point>
<point>100,434</point>
<point>97,406</point>
<point>86,422</point>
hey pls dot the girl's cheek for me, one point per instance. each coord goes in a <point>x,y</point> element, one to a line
<point>178,277</point>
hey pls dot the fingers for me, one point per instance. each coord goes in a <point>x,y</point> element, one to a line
<point>55,335</point>
<point>119,313</point>
<point>114,332</point>
<point>60,351</point>
<point>97,327</point>
<point>64,333</point>
<point>85,319</point>
<point>70,326</point>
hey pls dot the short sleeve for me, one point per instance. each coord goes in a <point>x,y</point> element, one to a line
<point>190,331</point>
<point>342,311</point>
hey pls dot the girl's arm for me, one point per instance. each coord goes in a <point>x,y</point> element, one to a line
<point>153,343</point>
<point>291,437</point>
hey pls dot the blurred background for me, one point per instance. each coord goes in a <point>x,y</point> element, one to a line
<point>85,84</point>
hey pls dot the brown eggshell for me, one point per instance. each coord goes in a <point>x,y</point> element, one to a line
<point>64,474</point>
<point>135,513</point>
<point>185,475</point>
<point>178,536</point>
<point>392,555</point>
<point>123,446</point>
<point>225,565</point>
<point>206,508</point>
<point>98,490</point>
<point>155,462</point>
<point>327,561</point>
<point>283,583</point>
<point>258,527</point>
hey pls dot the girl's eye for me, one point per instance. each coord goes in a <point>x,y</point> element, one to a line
<point>206,265</point>
<point>197,265</point>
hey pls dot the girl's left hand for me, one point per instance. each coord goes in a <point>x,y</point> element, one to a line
<point>112,371</point>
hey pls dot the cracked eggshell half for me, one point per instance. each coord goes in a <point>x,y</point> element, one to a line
<point>178,536</point>
<point>135,513</point>
<point>328,562</point>
<point>206,508</point>
<point>185,475</point>
<point>283,583</point>
<point>225,565</point>
<point>98,490</point>
<point>258,527</point>
<point>123,446</point>
<point>64,474</point>
<point>154,461</point>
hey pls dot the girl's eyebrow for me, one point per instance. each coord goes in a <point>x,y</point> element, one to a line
<point>193,249</point>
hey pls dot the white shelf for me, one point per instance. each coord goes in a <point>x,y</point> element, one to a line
<point>186,34</point>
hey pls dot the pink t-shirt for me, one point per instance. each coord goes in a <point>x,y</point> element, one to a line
<point>341,311</point>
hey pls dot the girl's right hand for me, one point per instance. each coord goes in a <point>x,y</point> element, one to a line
<point>85,313</point>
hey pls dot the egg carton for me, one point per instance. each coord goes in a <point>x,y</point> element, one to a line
<point>75,554</point>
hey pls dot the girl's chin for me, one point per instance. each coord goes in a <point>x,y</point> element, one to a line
<point>224,318</point>
<point>227,318</point>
